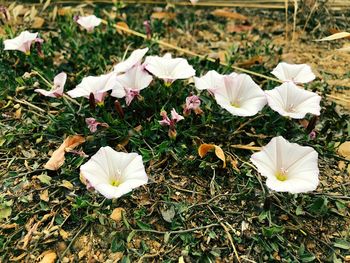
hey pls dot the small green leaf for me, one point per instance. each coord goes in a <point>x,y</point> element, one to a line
<point>5,212</point>
<point>271,231</point>
<point>166,237</point>
<point>130,236</point>
<point>45,179</point>
<point>343,244</point>
<point>143,225</point>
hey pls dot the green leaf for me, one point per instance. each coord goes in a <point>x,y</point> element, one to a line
<point>343,244</point>
<point>45,179</point>
<point>130,236</point>
<point>319,206</point>
<point>143,225</point>
<point>117,245</point>
<point>307,257</point>
<point>166,237</point>
<point>271,231</point>
<point>299,211</point>
<point>5,212</point>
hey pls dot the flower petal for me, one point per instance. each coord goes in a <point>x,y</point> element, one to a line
<point>297,73</point>
<point>293,101</point>
<point>135,58</point>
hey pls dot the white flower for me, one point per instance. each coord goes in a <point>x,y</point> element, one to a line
<point>169,69</point>
<point>135,58</point>
<point>89,22</point>
<point>293,101</point>
<point>211,81</point>
<point>131,83</point>
<point>92,84</point>
<point>240,95</point>
<point>288,167</point>
<point>22,42</point>
<point>58,85</point>
<point>297,73</point>
<point>113,173</point>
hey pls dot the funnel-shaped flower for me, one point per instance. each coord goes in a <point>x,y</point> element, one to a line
<point>193,102</point>
<point>22,42</point>
<point>135,58</point>
<point>92,84</point>
<point>240,95</point>
<point>89,22</point>
<point>58,85</point>
<point>131,83</point>
<point>293,101</point>
<point>297,73</point>
<point>211,81</point>
<point>169,69</point>
<point>92,124</point>
<point>113,173</point>
<point>288,167</point>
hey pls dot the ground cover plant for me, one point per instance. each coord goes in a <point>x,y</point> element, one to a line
<point>89,100</point>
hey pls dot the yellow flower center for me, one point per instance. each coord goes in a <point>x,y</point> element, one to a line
<point>281,175</point>
<point>115,183</point>
<point>235,104</point>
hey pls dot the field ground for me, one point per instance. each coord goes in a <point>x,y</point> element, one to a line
<point>193,210</point>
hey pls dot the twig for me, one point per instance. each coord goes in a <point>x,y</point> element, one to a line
<point>227,233</point>
<point>28,104</point>
<point>73,240</point>
<point>176,231</point>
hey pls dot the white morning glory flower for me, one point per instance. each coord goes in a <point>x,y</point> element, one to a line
<point>89,22</point>
<point>113,173</point>
<point>135,58</point>
<point>288,167</point>
<point>58,85</point>
<point>169,69</point>
<point>22,42</point>
<point>293,101</point>
<point>297,73</point>
<point>211,81</point>
<point>131,83</point>
<point>240,95</point>
<point>92,84</point>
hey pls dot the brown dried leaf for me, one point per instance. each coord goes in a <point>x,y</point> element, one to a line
<point>44,195</point>
<point>38,22</point>
<point>233,28</point>
<point>228,14</point>
<point>163,15</point>
<point>117,214</point>
<point>67,184</point>
<point>57,158</point>
<point>344,150</point>
<point>48,257</point>
<point>64,234</point>
<point>122,25</point>
<point>256,60</point>
<point>205,148</point>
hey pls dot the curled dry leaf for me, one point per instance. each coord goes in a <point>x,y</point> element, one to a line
<point>117,214</point>
<point>335,36</point>
<point>49,257</point>
<point>204,148</point>
<point>121,24</point>
<point>163,15</point>
<point>228,14</point>
<point>344,150</point>
<point>57,158</point>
